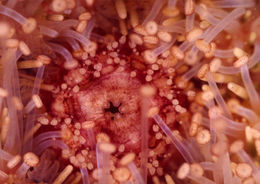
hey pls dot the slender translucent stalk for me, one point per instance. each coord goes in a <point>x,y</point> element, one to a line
<point>177,143</point>
<point>252,93</point>
<point>77,36</point>
<point>227,173</point>
<point>253,60</point>
<point>233,124</point>
<point>31,116</point>
<point>206,15</point>
<point>185,46</point>
<point>207,165</point>
<point>144,137</point>
<point>209,123</point>
<point>236,13</point>
<point>189,22</point>
<point>89,28</point>
<point>217,12</point>
<point>38,80</point>
<point>47,135</point>
<point>103,165</point>
<point>224,53</point>
<point>62,51</point>
<point>99,158</point>
<point>163,47</point>
<point>48,31</point>
<point>61,25</point>
<point>233,4</point>
<point>247,113</point>
<point>49,143</point>
<point>217,171</point>
<point>29,107</point>
<point>244,157</point>
<point>191,73</point>
<point>3,176</point>
<point>84,176</point>
<point>91,137</point>
<point>172,28</point>
<point>157,5</point>
<point>12,14</point>
<point>106,169</point>
<point>136,173</point>
<point>206,32</point>
<point>213,132</point>
<point>5,155</point>
<point>192,54</point>
<point>256,176</point>
<point>233,129</point>
<point>22,170</point>
<point>73,43</point>
<point>97,38</point>
<point>11,84</point>
<point>177,27</point>
<point>194,148</point>
<point>219,99</point>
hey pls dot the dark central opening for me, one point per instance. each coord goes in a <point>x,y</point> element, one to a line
<point>112,109</point>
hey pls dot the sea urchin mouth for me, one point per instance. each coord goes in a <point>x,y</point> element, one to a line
<point>113,104</point>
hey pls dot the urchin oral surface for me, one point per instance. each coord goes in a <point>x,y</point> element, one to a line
<point>129,91</point>
<point>113,103</point>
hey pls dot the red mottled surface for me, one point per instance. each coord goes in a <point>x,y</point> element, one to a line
<point>112,102</point>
